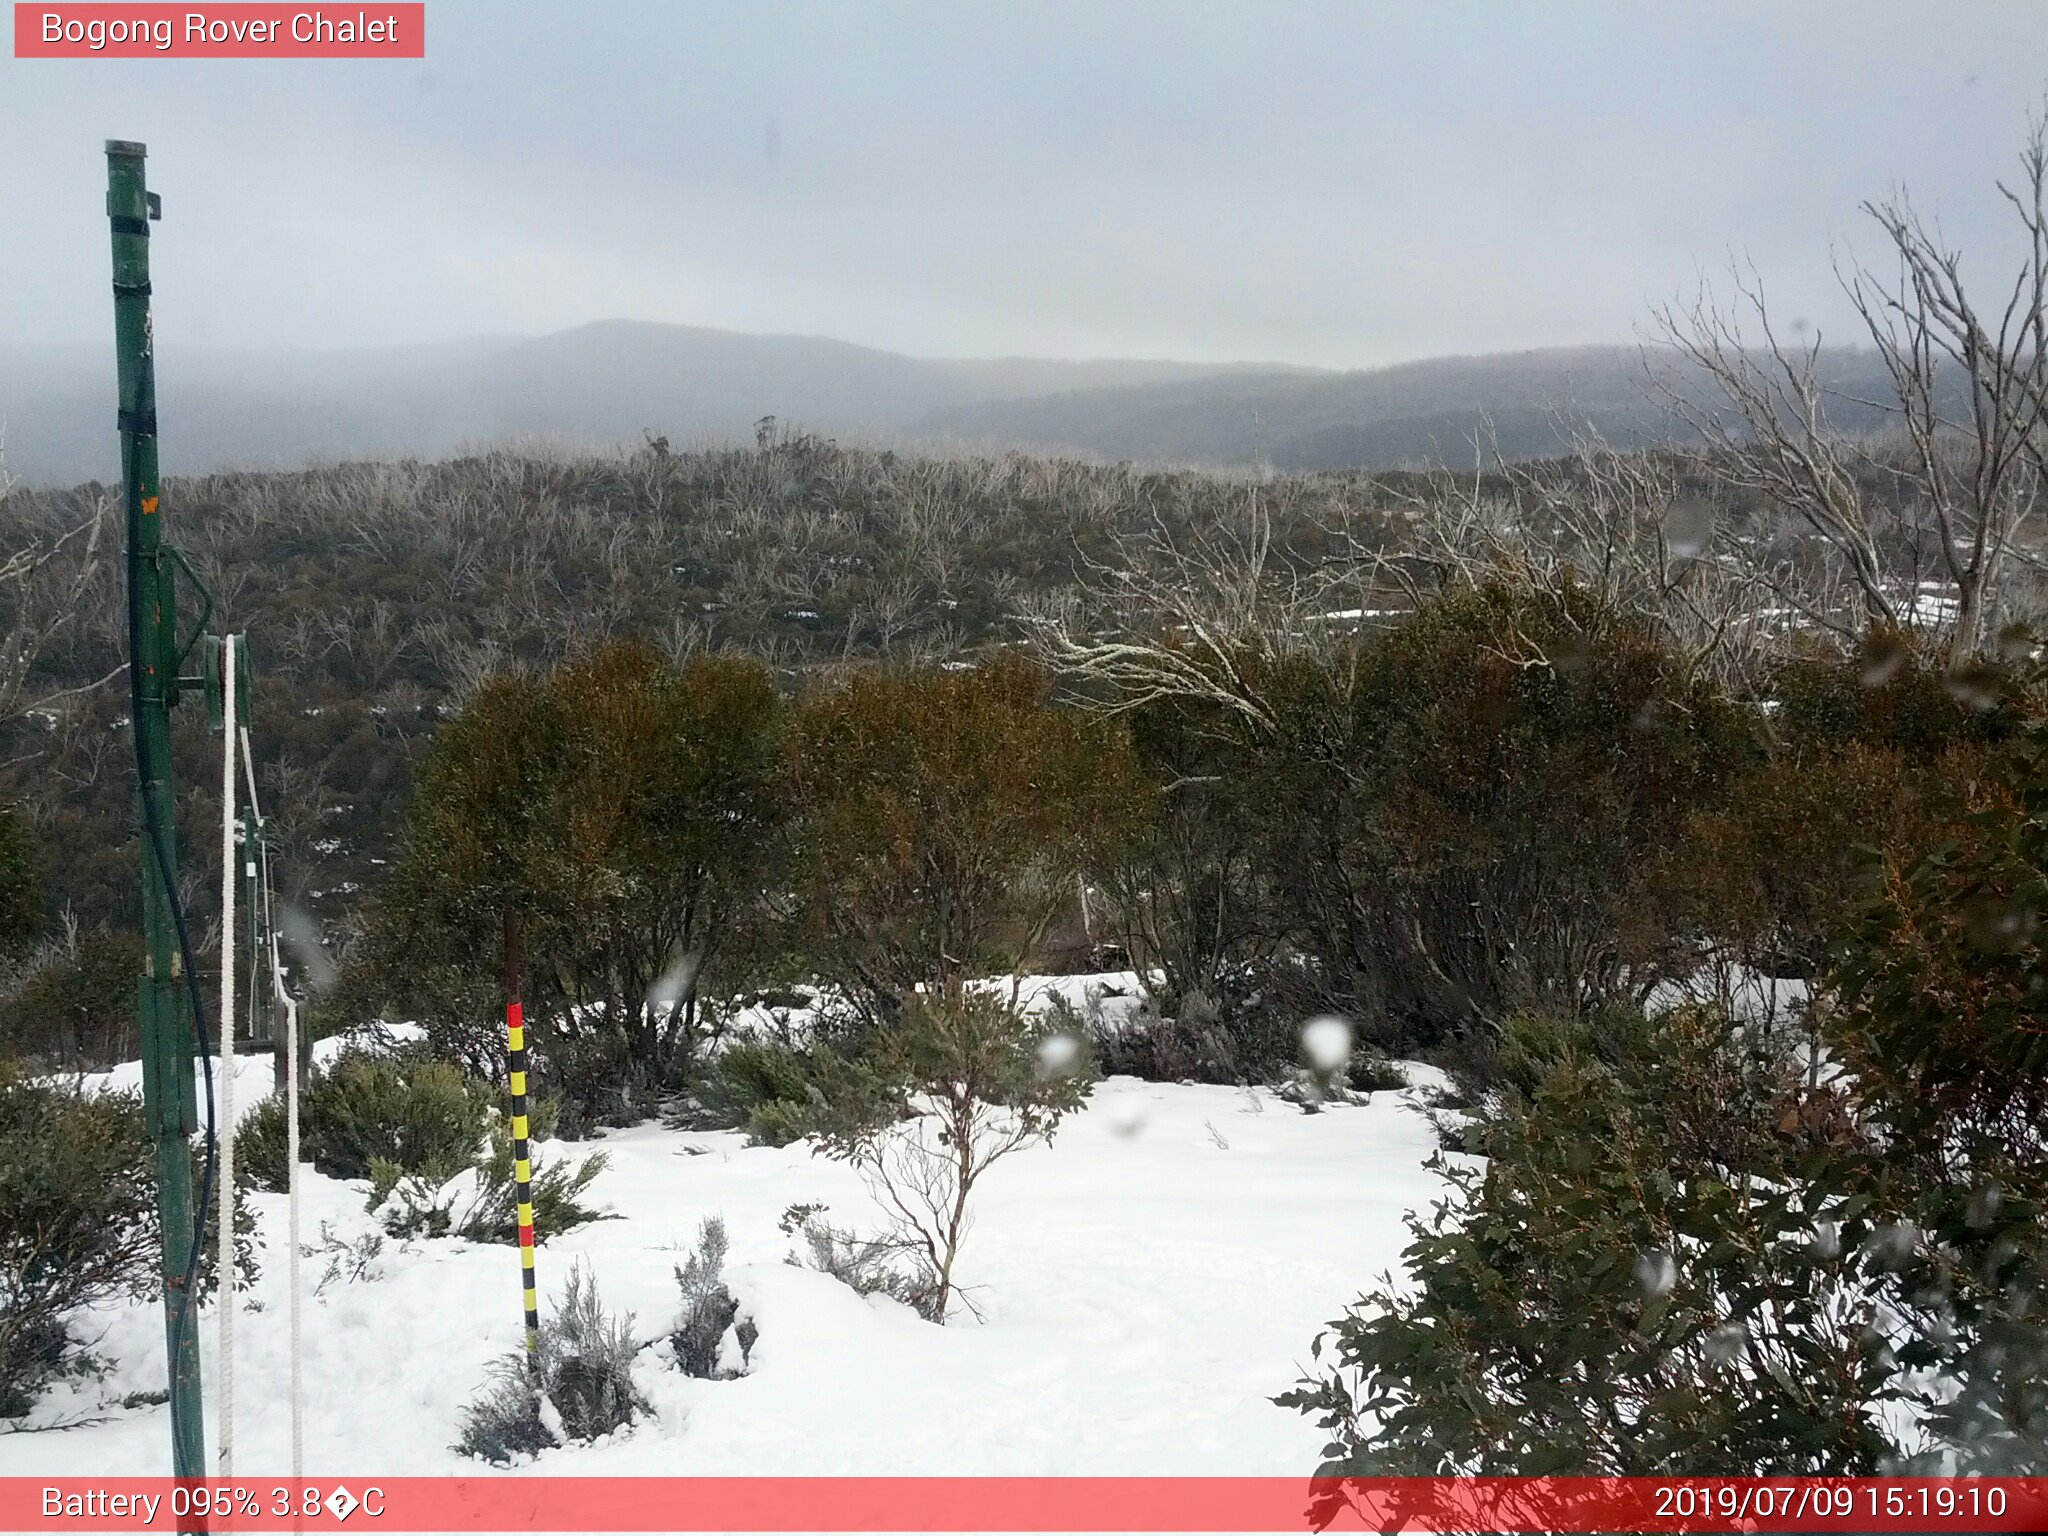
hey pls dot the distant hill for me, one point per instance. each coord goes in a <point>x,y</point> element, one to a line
<point>612,382</point>
<point>1414,413</point>
<point>607,382</point>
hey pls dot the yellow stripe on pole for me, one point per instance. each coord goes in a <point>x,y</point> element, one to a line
<point>522,1169</point>
<point>516,1037</point>
<point>525,1213</point>
<point>519,1127</point>
<point>518,1085</point>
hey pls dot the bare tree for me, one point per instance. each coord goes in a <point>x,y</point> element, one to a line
<point>1618,525</point>
<point>1970,391</point>
<point>1186,616</point>
<point>44,583</point>
<point>1771,432</point>
<point>1979,469</point>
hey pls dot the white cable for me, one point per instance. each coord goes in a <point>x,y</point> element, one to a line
<point>225,1274</point>
<point>291,1127</point>
<point>291,1150</point>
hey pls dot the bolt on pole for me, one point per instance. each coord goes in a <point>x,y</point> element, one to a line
<point>153,658</point>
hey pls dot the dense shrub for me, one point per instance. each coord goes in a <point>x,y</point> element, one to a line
<point>1940,1017</point>
<point>73,1006</point>
<point>77,1224</point>
<point>1856,756</point>
<point>1182,888</point>
<point>1507,765</point>
<point>606,825</point>
<point>1644,1277</point>
<point>400,1108</point>
<point>21,881</point>
<point>941,819</point>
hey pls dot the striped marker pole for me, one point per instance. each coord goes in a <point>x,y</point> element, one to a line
<point>522,1162</point>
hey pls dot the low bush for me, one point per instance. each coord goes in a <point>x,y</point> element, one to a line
<point>401,1107</point>
<point>870,1266</point>
<point>579,1387</point>
<point>479,1200</point>
<point>1190,1039</point>
<point>711,1340</point>
<point>77,1225</point>
<point>1370,1072</point>
<point>762,1086</point>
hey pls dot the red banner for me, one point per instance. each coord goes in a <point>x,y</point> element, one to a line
<point>250,31</point>
<point>516,1502</point>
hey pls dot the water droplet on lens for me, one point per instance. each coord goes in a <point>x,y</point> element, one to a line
<point>1057,1055</point>
<point>1688,528</point>
<point>1327,1043</point>
<point>1726,1342</point>
<point>1883,660</point>
<point>1127,1117</point>
<point>1656,1272</point>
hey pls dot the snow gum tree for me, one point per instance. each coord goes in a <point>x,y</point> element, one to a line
<point>940,1094</point>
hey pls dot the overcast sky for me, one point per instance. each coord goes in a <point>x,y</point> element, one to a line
<point>1339,184</point>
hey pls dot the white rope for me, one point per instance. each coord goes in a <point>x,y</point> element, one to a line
<point>225,1274</point>
<point>291,1152</point>
<point>291,1125</point>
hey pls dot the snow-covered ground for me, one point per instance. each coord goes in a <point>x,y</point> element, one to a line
<point>1147,1283</point>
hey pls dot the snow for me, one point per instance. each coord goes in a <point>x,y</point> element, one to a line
<point>255,1075</point>
<point>1147,1283</point>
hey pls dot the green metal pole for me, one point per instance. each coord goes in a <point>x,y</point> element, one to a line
<point>167,1045</point>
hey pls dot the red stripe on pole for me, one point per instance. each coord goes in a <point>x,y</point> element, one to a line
<point>526,1237</point>
<point>512,1502</point>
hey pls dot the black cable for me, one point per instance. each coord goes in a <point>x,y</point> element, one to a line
<point>153,832</point>
<point>209,1180</point>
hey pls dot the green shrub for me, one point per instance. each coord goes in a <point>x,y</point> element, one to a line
<point>77,1224</point>
<point>764,1086</point>
<point>1648,1276</point>
<point>260,1149</point>
<point>479,1200</point>
<point>75,1006</point>
<point>401,1107</point>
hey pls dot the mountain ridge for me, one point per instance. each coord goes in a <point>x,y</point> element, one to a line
<point>617,381</point>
